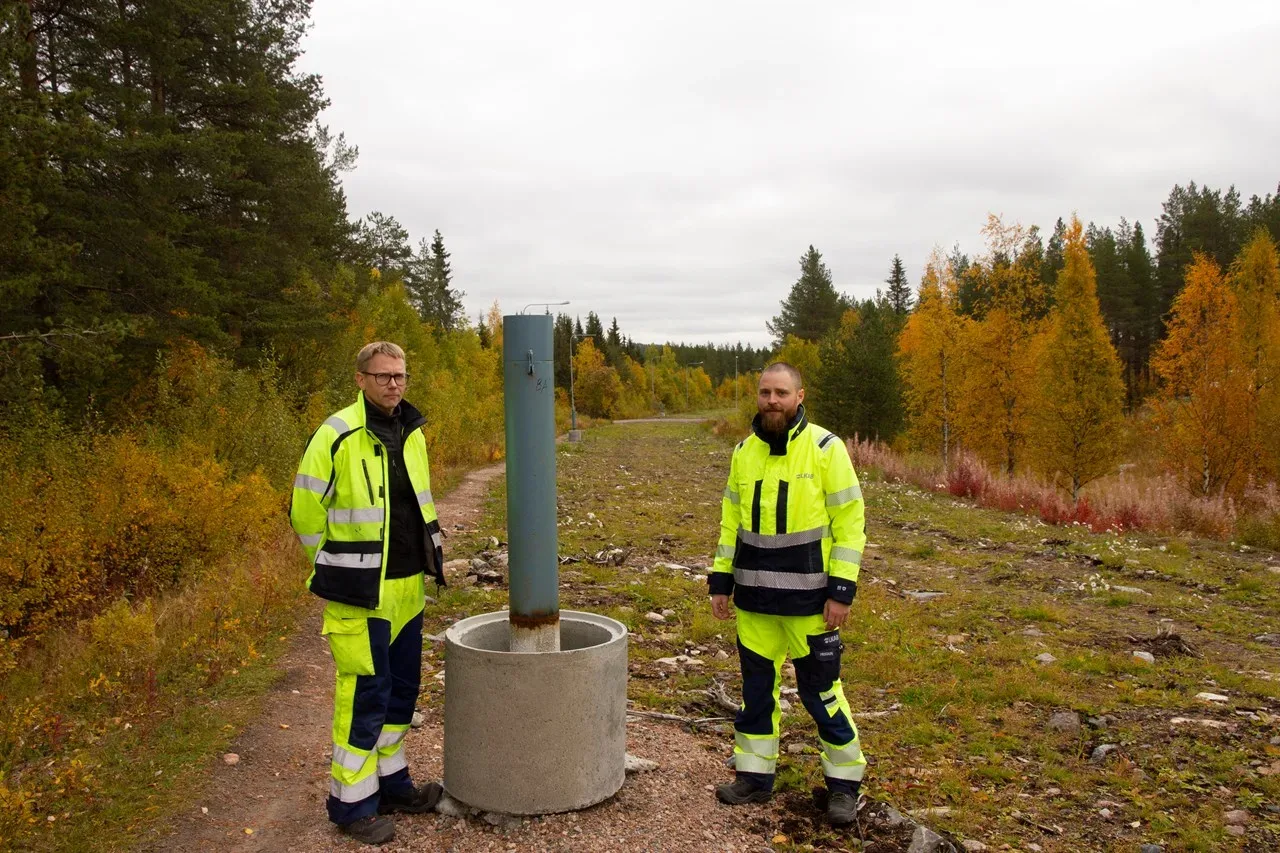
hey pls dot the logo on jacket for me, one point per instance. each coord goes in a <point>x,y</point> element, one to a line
<point>805,476</point>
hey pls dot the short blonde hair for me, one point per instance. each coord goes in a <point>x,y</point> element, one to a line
<point>368,351</point>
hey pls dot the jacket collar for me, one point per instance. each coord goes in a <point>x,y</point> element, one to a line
<point>778,443</point>
<point>410,418</point>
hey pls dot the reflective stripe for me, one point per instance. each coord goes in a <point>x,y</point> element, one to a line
<point>843,762</point>
<point>754,755</point>
<point>356,791</point>
<point>780,580</point>
<point>424,497</point>
<point>311,484</point>
<point>826,439</point>
<point>726,551</point>
<point>390,737</point>
<point>848,555</point>
<point>338,424</point>
<point>310,540</point>
<point>782,540</point>
<point>349,561</point>
<point>356,516</point>
<point>731,496</point>
<point>833,708</point>
<point>392,764</point>
<point>437,540</point>
<point>853,493</point>
<point>348,760</point>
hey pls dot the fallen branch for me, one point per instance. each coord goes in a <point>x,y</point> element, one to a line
<point>722,699</point>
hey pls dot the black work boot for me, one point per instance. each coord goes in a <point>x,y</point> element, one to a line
<point>371,829</point>
<point>842,808</point>
<point>742,791</point>
<point>422,799</point>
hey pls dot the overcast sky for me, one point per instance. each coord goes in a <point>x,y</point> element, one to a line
<point>668,163</point>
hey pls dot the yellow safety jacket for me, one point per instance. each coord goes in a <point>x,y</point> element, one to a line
<point>792,525</point>
<point>341,505</point>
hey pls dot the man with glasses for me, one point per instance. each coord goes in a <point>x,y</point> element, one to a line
<point>362,507</point>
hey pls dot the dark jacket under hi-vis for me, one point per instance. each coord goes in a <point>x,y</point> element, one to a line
<point>341,505</point>
<point>792,526</point>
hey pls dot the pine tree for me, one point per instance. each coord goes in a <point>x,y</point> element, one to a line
<point>899,292</point>
<point>812,308</point>
<point>595,328</point>
<point>443,306</point>
<point>1078,412</point>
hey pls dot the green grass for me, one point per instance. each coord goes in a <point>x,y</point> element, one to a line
<point>970,722</point>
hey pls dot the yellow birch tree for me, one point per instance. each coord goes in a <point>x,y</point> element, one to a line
<point>994,404</point>
<point>930,357</point>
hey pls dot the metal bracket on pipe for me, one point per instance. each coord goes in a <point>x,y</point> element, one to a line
<point>530,357</point>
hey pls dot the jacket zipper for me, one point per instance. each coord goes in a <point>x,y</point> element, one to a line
<point>368,482</point>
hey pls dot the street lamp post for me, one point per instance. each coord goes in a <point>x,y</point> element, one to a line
<point>687,369</point>
<point>573,406</point>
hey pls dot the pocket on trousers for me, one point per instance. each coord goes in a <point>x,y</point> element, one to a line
<point>349,642</point>
<point>826,648</point>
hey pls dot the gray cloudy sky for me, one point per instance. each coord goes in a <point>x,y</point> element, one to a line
<point>667,163</point>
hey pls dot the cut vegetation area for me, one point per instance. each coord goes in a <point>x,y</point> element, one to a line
<point>1005,706</point>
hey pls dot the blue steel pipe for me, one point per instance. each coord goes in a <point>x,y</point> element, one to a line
<point>529,385</point>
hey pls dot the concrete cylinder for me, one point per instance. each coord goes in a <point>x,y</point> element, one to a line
<point>535,733</point>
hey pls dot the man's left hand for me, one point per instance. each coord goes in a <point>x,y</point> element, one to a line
<point>834,613</point>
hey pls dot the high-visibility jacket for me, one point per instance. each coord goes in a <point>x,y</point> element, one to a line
<point>341,505</point>
<point>792,524</point>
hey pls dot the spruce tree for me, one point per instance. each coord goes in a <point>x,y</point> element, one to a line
<point>812,309</point>
<point>899,293</point>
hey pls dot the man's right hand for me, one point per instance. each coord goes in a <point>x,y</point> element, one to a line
<point>720,607</point>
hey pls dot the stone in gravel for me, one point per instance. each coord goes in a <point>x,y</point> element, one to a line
<point>1235,830</point>
<point>453,567</point>
<point>639,765</point>
<point>1101,751</point>
<point>449,807</point>
<point>668,613</point>
<point>1105,812</point>
<point>466,580</point>
<point>493,542</point>
<point>502,821</point>
<point>230,758</point>
<point>489,576</point>
<point>795,748</point>
<point>1208,724</point>
<point>1099,722</point>
<point>1045,658</point>
<point>784,704</point>
<point>973,846</point>
<point>1212,697</point>
<point>655,617</point>
<point>1132,590</point>
<point>1151,848</point>
<point>924,595</point>
<point>417,720</point>
<point>1032,631</point>
<point>478,564</point>
<point>500,560</point>
<point>925,840</point>
<point>722,655</point>
<point>678,660</point>
<point>1236,816</point>
<point>1065,721</point>
<point>1145,657</point>
<point>1269,639</point>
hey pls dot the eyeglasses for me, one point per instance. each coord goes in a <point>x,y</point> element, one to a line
<point>385,379</point>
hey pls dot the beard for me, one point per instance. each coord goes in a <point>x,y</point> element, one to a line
<point>775,420</point>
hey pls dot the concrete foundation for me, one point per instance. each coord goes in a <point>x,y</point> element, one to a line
<point>535,733</point>
<point>575,435</point>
